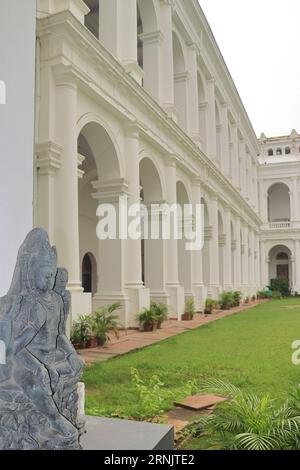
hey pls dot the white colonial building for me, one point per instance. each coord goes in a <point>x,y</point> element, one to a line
<point>279,187</point>
<point>133,97</point>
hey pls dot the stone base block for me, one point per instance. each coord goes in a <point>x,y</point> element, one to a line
<point>116,434</point>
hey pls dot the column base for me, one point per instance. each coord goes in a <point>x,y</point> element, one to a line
<point>176,300</point>
<point>214,292</point>
<point>159,297</point>
<point>139,298</point>
<point>199,293</point>
<point>81,304</point>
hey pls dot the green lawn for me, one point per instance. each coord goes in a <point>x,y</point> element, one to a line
<point>251,349</point>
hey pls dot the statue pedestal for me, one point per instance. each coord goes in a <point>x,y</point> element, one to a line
<point>119,434</point>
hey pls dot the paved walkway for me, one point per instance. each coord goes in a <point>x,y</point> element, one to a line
<point>130,340</point>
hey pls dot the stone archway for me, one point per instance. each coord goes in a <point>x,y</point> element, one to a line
<point>99,183</point>
<point>280,263</point>
<point>153,272</point>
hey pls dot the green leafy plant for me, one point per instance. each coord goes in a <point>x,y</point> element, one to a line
<point>210,304</point>
<point>237,298</point>
<point>281,285</point>
<point>103,321</point>
<point>226,300</point>
<point>81,331</point>
<point>250,422</point>
<point>247,299</point>
<point>161,312</point>
<point>147,319</point>
<point>190,306</point>
<point>154,399</point>
<point>261,294</point>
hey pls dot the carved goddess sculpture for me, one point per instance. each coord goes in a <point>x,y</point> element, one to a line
<point>38,383</point>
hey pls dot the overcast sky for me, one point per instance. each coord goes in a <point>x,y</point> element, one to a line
<point>260,42</point>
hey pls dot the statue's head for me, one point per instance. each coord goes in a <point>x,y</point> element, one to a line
<point>61,280</point>
<point>36,264</point>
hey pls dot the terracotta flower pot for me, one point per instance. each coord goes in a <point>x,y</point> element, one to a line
<point>149,326</point>
<point>101,340</point>
<point>93,343</point>
<point>186,316</point>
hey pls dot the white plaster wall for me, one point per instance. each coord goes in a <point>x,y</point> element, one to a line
<point>17,69</point>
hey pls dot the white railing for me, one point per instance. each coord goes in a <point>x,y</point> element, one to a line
<point>279,225</point>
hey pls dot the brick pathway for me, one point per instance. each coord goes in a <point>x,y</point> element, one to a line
<point>130,340</point>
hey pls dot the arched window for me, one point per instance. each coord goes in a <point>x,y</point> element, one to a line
<point>279,207</point>
<point>279,151</point>
<point>287,150</point>
<point>270,153</point>
<point>91,20</point>
<point>89,275</point>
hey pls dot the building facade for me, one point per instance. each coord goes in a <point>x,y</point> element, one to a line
<point>279,188</point>
<point>133,98</point>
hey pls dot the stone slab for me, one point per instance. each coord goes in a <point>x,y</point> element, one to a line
<point>200,402</point>
<point>118,434</point>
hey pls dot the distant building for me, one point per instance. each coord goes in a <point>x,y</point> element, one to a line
<point>279,188</point>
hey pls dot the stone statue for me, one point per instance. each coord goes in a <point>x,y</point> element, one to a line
<point>38,383</point>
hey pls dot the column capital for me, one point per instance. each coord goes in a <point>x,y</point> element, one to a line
<point>109,191</point>
<point>80,160</point>
<point>171,161</point>
<point>152,38</point>
<point>48,160</point>
<point>170,3</point>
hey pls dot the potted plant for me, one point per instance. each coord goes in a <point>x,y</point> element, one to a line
<point>253,298</point>
<point>210,304</point>
<point>161,313</point>
<point>247,299</point>
<point>237,297</point>
<point>147,319</point>
<point>189,309</point>
<point>81,332</point>
<point>226,300</point>
<point>104,321</point>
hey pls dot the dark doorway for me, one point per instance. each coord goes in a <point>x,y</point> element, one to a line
<point>283,271</point>
<point>87,274</point>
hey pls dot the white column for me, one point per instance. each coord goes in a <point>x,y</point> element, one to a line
<point>48,163</point>
<point>225,164</point>
<point>167,67</point>
<point>173,288</point>
<point>297,266</point>
<point>237,269</point>
<point>214,248</point>
<point>245,260</point>
<point>263,202</point>
<point>264,265</point>
<point>118,33</point>
<point>139,296</point>
<point>66,223</point>
<point>211,120</point>
<point>228,281</point>
<point>193,108</point>
<point>251,263</point>
<point>243,167</point>
<point>110,255</point>
<point>152,43</point>
<point>235,155</point>
<point>295,196</point>
<point>196,256</point>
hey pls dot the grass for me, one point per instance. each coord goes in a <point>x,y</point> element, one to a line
<point>250,349</point>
